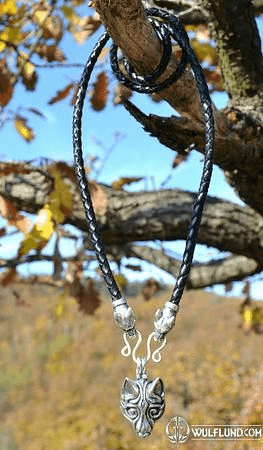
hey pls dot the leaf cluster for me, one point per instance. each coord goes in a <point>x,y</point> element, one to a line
<point>31,36</point>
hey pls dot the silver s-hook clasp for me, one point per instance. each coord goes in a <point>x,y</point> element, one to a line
<point>154,355</point>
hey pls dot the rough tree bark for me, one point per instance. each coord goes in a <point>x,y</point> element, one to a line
<point>129,218</point>
<point>164,215</point>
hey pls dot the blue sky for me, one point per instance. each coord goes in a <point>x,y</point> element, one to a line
<point>136,155</point>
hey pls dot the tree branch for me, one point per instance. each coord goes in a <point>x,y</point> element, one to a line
<point>145,216</point>
<point>28,259</point>
<point>239,49</point>
<point>242,164</point>
<point>130,29</point>
<point>222,271</point>
<point>234,30</point>
<point>195,16</point>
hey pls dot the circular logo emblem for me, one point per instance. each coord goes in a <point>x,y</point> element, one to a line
<point>177,430</point>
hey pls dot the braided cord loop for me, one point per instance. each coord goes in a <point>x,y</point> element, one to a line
<point>140,83</point>
<point>166,26</point>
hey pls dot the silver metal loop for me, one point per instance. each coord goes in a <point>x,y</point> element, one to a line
<point>137,345</point>
<point>127,350</point>
<point>156,355</point>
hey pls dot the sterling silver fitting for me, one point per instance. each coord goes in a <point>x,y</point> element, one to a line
<point>165,320</point>
<point>124,316</point>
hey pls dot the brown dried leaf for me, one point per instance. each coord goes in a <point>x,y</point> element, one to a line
<point>86,295</point>
<point>53,28</point>
<point>65,170</point>
<point>86,27</point>
<point>100,92</point>
<point>89,299</point>
<point>150,288</point>
<point>60,95</point>
<point>7,277</point>
<point>214,77</point>
<point>120,92</point>
<point>179,159</point>
<point>29,76</point>
<point>6,87</point>
<point>14,218</point>
<point>118,184</point>
<point>99,198</point>
<point>50,53</point>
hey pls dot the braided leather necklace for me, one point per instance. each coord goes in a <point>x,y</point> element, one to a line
<point>142,400</point>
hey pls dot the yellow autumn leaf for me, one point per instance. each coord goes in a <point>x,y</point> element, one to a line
<point>69,13</point>
<point>121,281</point>
<point>29,68</point>
<point>8,7</point>
<point>40,15</point>
<point>60,199</point>
<point>32,241</point>
<point>204,52</point>
<point>60,308</point>
<point>9,34</point>
<point>23,129</point>
<point>40,234</point>
<point>54,212</point>
<point>57,214</point>
<point>59,311</point>
<point>44,223</point>
<point>75,21</point>
<point>247,316</point>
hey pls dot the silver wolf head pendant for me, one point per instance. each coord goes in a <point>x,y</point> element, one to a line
<point>142,400</point>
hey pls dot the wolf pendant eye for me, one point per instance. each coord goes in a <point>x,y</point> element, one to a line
<point>155,413</point>
<point>132,413</point>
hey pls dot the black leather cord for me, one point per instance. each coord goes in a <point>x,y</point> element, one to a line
<point>166,26</point>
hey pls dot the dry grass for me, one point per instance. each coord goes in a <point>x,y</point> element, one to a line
<point>60,377</point>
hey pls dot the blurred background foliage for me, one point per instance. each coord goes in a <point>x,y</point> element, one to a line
<point>61,371</point>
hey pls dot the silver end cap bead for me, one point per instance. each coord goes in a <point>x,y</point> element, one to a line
<point>124,316</point>
<point>165,320</point>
